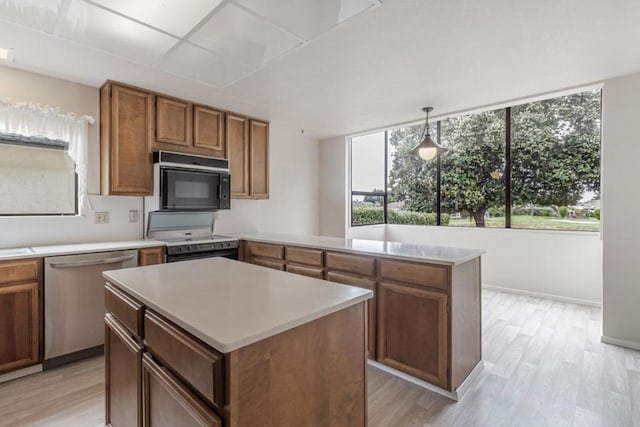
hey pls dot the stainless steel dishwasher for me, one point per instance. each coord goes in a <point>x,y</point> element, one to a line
<point>74,303</point>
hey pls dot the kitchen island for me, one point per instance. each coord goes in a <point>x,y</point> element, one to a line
<point>218,342</point>
<point>424,321</point>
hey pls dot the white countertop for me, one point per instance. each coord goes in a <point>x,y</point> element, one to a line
<point>230,304</point>
<point>408,251</point>
<point>79,248</point>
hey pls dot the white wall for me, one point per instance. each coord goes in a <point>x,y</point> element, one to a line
<point>621,204</point>
<point>28,231</point>
<point>333,185</point>
<point>561,264</point>
<point>292,206</point>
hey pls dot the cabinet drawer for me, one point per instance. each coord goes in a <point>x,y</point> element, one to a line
<point>305,271</point>
<point>128,311</point>
<point>304,256</point>
<point>265,250</point>
<point>167,402</point>
<point>199,366</point>
<point>19,271</point>
<point>276,265</point>
<point>351,263</point>
<point>417,274</point>
<point>346,279</point>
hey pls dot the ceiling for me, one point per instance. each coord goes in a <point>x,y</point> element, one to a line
<point>330,67</point>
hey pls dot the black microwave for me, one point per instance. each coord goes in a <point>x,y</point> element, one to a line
<point>192,183</point>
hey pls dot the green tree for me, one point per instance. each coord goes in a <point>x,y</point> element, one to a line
<point>555,158</point>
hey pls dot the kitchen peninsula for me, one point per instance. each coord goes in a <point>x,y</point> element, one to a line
<point>424,321</point>
<point>216,342</point>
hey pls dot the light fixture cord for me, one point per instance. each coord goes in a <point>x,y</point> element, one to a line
<point>425,130</point>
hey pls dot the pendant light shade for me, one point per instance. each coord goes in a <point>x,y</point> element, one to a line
<point>428,148</point>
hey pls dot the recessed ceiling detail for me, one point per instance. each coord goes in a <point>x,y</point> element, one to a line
<point>215,42</point>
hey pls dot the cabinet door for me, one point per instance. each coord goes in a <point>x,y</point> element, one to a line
<point>150,256</point>
<point>259,158</point>
<point>129,142</point>
<point>167,402</point>
<point>238,153</point>
<point>123,371</point>
<point>19,326</point>
<point>208,130</point>
<point>173,121</point>
<point>412,334</point>
<point>366,283</point>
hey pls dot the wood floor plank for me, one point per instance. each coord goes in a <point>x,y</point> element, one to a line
<point>545,366</point>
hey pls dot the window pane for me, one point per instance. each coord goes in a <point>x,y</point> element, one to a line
<point>367,210</point>
<point>36,181</point>
<point>367,163</point>
<point>473,184</point>
<point>412,181</point>
<point>555,181</point>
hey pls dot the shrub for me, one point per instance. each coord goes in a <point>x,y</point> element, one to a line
<point>596,213</point>
<point>535,211</point>
<point>361,215</point>
<point>563,211</point>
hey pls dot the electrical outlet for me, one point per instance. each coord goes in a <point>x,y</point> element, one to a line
<point>101,217</point>
<point>134,215</point>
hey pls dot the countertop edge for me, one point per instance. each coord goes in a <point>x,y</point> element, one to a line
<point>462,260</point>
<point>73,248</point>
<point>245,341</point>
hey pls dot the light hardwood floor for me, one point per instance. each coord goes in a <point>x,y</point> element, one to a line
<point>545,366</point>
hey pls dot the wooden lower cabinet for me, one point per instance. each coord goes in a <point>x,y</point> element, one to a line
<point>123,364</point>
<point>366,283</point>
<point>151,256</point>
<point>412,331</point>
<point>20,314</point>
<point>304,270</point>
<point>167,402</point>
<point>19,326</point>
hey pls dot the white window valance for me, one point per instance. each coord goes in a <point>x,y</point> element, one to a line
<point>29,119</point>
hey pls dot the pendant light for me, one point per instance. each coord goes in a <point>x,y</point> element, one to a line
<point>428,148</point>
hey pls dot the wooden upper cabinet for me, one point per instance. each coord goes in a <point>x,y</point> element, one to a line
<point>173,121</point>
<point>238,153</point>
<point>208,130</point>
<point>259,158</point>
<point>126,132</point>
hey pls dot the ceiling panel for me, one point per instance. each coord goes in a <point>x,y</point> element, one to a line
<point>41,15</point>
<point>238,36</point>
<point>308,18</point>
<point>195,63</point>
<point>95,27</point>
<point>177,17</point>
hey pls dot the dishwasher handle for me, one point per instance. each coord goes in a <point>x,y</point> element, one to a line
<point>91,262</point>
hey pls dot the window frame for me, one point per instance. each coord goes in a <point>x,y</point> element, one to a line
<point>507,171</point>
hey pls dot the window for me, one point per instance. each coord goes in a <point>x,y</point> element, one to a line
<point>535,166</point>
<point>368,186</point>
<point>36,179</point>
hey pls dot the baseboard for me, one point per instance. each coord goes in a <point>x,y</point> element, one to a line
<point>453,395</point>
<point>544,296</point>
<point>20,373</point>
<point>622,343</point>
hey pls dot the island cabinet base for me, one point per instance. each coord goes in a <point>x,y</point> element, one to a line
<point>160,375</point>
<point>312,375</point>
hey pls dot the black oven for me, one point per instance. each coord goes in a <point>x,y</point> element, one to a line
<point>188,251</point>
<point>192,183</point>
